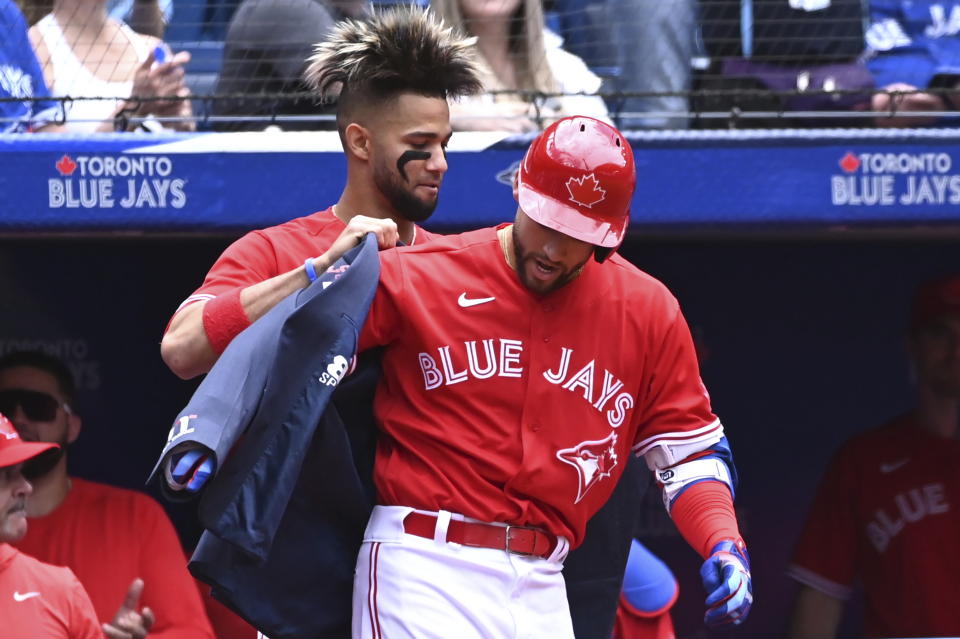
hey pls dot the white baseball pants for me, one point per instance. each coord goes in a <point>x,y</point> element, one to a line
<point>409,587</point>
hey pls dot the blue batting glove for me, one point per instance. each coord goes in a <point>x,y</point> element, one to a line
<point>191,469</point>
<point>726,578</point>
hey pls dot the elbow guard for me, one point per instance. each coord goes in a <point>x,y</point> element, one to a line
<point>714,464</point>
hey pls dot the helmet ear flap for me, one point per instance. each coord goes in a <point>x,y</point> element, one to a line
<point>601,253</point>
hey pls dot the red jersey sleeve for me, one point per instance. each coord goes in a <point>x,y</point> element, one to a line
<point>384,320</point>
<point>825,556</point>
<point>249,260</point>
<point>675,412</point>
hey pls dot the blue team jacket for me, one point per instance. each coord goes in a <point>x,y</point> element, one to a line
<point>285,513</point>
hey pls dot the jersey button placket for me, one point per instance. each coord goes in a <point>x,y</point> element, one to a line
<point>532,404</point>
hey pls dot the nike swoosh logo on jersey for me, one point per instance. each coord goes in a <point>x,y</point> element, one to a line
<point>27,595</point>
<point>466,302</point>
<point>889,468</point>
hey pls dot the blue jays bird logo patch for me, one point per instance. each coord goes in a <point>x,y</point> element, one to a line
<point>593,460</point>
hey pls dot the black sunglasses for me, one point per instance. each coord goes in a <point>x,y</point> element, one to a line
<point>36,405</point>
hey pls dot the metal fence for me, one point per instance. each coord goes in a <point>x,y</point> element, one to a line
<point>653,63</point>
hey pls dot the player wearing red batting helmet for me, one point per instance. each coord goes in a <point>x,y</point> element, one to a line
<point>519,375</point>
<point>574,188</point>
<point>578,178</point>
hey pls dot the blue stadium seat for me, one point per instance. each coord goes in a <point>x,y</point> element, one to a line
<point>200,20</point>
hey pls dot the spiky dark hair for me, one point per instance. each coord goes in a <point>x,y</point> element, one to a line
<point>400,49</point>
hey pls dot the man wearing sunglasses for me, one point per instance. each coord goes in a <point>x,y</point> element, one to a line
<point>36,600</point>
<point>119,543</point>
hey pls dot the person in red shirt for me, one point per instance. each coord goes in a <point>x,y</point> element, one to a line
<point>119,543</point>
<point>394,72</point>
<point>37,601</point>
<point>522,364</point>
<point>888,508</point>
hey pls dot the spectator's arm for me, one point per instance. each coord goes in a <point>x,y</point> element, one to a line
<point>43,55</point>
<point>902,105</point>
<point>816,615</point>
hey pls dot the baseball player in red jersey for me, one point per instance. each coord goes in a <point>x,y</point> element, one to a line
<point>522,365</point>
<point>395,72</point>
<point>887,511</point>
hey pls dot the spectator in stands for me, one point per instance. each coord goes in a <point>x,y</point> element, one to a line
<point>886,513</point>
<point>118,542</point>
<point>149,17</point>
<point>21,77</point>
<point>801,50</point>
<point>912,47</point>
<point>265,54</point>
<point>638,46</point>
<point>36,600</point>
<point>85,53</point>
<point>519,59</point>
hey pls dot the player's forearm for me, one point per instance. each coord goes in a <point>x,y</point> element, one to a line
<point>259,298</point>
<point>197,336</point>
<point>704,515</point>
<point>815,615</point>
<point>185,348</point>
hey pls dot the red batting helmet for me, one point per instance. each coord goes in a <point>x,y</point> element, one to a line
<point>578,178</point>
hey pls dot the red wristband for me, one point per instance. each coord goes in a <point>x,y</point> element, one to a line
<point>704,515</point>
<point>224,319</point>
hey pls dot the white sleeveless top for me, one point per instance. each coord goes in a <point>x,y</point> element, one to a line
<point>71,78</point>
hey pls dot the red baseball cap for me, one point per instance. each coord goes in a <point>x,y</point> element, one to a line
<point>936,298</point>
<point>14,450</point>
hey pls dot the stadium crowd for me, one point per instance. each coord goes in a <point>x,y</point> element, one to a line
<point>656,64</point>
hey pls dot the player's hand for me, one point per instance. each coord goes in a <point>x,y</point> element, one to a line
<point>190,470</point>
<point>358,226</point>
<point>726,578</point>
<point>129,622</point>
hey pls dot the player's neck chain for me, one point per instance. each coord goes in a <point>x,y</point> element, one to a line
<point>505,235</point>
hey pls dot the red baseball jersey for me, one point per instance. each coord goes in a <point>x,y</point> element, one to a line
<point>265,253</point>
<point>887,513</point>
<point>39,601</point>
<point>507,406</point>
